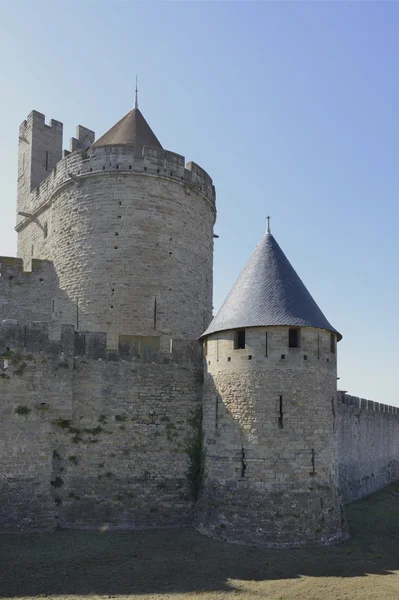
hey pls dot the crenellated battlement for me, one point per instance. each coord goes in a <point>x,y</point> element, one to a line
<point>33,337</point>
<point>38,119</point>
<point>28,337</point>
<point>11,267</point>
<point>76,167</point>
<point>363,405</point>
<point>26,294</point>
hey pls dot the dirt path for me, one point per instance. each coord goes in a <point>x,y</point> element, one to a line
<point>184,564</point>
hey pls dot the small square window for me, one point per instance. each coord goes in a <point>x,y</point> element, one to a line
<point>332,343</point>
<point>239,339</point>
<point>293,337</point>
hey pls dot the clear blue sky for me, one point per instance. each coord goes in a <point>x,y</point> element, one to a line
<point>292,108</point>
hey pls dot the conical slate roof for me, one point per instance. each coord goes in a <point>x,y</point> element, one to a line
<point>131,130</point>
<point>268,292</point>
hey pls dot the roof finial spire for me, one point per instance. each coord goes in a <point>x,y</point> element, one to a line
<point>268,224</point>
<point>136,102</point>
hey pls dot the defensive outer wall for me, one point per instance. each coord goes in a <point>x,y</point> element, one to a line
<point>102,382</point>
<point>92,437</point>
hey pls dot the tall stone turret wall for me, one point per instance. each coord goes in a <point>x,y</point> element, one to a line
<point>368,445</point>
<point>270,441</point>
<point>93,438</point>
<point>131,240</point>
<point>26,295</point>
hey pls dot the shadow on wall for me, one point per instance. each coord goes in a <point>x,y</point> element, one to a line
<point>182,561</point>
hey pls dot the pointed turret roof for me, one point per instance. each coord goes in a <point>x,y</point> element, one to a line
<point>131,130</point>
<point>269,292</point>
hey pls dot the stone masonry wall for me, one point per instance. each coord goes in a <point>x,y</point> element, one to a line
<point>35,389</point>
<point>131,240</point>
<point>92,438</point>
<point>270,443</point>
<point>368,445</point>
<point>26,295</point>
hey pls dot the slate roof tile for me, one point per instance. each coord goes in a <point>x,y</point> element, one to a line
<point>268,292</point>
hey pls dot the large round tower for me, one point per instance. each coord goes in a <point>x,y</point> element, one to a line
<point>129,228</point>
<point>270,445</point>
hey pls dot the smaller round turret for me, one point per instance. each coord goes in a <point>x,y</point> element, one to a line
<point>270,445</point>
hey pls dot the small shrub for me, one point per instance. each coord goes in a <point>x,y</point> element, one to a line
<point>73,459</point>
<point>20,369</point>
<point>22,410</point>
<point>120,418</point>
<point>102,419</point>
<point>58,482</point>
<point>94,430</point>
<point>4,376</point>
<point>74,430</point>
<point>76,439</point>
<point>63,423</point>
<point>63,365</point>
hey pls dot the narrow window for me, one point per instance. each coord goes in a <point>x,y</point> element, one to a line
<point>46,160</point>
<point>45,230</point>
<point>280,417</point>
<point>313,471</point>
<point>293,337</point>
<point>155,314</point>
<point>206,347</point>
<point>243,462</point>
<point>332,343</point>
<point>318,347</point>
<point>239,339</point>
<point>53,305</point>
<point>266,345</point>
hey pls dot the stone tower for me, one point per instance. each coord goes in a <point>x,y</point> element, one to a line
<point>270,443</point>
<point>128,227</point>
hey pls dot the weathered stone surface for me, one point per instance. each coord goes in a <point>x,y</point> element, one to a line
<point>270,440</point>
<point>102,379</point>
<point>368,448</point>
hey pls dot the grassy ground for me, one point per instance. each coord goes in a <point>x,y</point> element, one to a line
<point>184,564</point>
